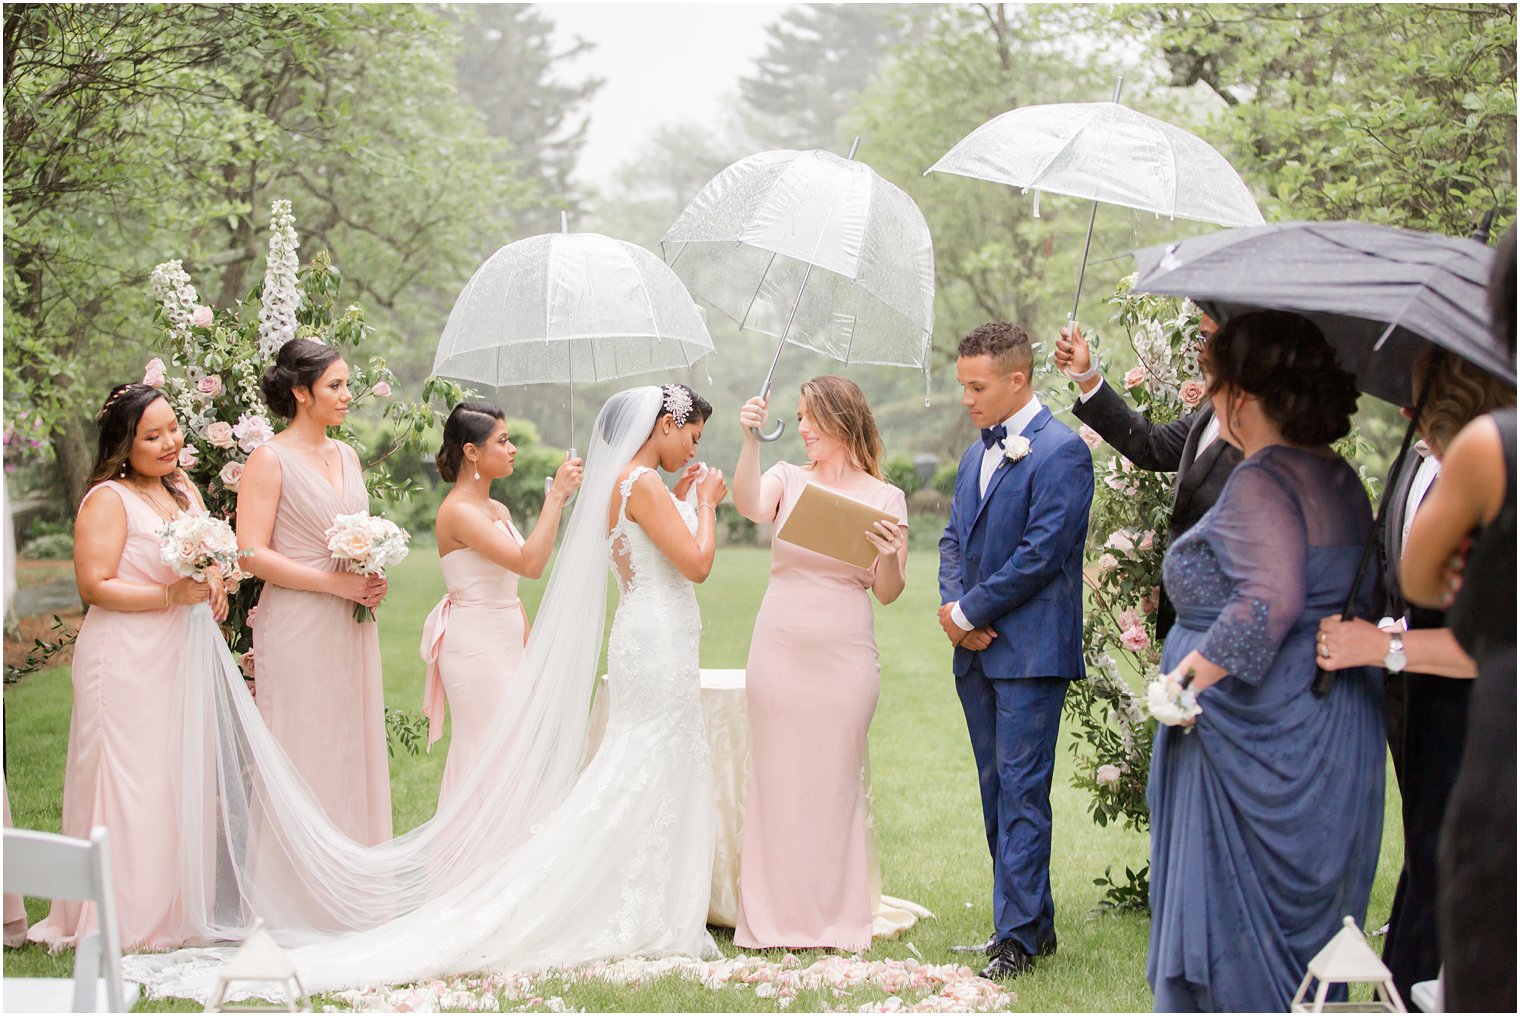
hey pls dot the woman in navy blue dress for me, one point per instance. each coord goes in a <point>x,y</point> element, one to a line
<point>1267,813</point>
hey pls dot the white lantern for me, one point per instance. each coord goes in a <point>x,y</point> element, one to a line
<point>1348,959</point>
<point>259,962</point>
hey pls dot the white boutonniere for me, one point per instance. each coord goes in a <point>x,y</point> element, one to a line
<point>1015,448</point>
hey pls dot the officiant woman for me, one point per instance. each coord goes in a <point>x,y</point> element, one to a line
<point>812,682</point>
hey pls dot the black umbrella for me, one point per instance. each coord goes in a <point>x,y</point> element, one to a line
<point>1381,295</point>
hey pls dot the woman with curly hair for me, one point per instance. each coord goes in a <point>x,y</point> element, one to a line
<point>1267,811</point>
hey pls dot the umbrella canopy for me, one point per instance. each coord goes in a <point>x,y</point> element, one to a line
<point>815,250</point>
<point>1381,295</point>
<point>1105,151</point>
<point>567,307</point>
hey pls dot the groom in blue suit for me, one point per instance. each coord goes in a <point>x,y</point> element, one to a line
<point>1010,579</point>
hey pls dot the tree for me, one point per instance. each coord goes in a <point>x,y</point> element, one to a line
<point>134,130</point>
<point>818,58</point>
<point>506,68</point>
<point>1395,113</point>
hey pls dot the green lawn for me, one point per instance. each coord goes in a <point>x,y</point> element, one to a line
<point>928,816</point>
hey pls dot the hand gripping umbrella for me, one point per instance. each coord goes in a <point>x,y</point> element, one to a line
<point>814,250</point>
<point>567,307</point>
<point>1108,153</point>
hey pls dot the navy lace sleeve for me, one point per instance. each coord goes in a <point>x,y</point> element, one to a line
<point>1260,540</point>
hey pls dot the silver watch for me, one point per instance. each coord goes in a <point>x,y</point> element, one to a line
<point>1396,660</point>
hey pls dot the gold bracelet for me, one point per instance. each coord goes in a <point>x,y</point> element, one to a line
<point>166,597</point>
<point>709,508</point>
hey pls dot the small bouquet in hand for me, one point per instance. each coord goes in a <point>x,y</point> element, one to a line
<point>1170,701</point>
<point>369,545</point>
<point>194,543</point>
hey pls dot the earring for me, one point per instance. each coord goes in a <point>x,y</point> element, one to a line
<point>123,470</point>
<point>477,472</point>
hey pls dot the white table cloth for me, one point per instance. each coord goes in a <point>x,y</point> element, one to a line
<point>727,716</point>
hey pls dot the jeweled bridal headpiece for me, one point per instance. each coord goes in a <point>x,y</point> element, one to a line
<point>676,402</point>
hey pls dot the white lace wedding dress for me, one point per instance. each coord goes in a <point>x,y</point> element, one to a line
<point>618,863</point>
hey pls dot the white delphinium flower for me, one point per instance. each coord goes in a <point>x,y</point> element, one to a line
<point>172,288</point>
<point>281,298</point>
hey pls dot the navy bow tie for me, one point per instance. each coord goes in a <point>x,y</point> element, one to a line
<point>993,435</point>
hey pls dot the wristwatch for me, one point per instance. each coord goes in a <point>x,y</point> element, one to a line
<point>1396,660</point>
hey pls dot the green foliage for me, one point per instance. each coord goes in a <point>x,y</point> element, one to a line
<point>944,478</point>
<point>408,729</point>
<point>50,547</point>
<point>1396,113</point>
<point>43,650</point>
<point>899,471</point>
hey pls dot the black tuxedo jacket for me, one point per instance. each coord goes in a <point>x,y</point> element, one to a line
<point>1165,448</point>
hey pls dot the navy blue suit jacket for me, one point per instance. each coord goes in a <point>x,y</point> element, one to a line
<point>1014,558</point>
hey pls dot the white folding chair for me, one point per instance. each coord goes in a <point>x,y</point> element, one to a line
<point>65,868</point>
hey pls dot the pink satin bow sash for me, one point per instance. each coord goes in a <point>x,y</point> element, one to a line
<point>433,695</point>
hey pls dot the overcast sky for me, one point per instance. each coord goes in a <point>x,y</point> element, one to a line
<point>661,62</point>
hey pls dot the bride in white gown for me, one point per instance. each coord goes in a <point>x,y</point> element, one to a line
<point>531,863</point>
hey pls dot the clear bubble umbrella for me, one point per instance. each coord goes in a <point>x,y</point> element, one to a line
<point>1105,152</point>
<point>567,307</point>
<point>816,251</point>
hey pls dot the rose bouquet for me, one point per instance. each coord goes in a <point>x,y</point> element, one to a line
<point>194,543</point>
<point>368,544</point>
<point>1170,701</point>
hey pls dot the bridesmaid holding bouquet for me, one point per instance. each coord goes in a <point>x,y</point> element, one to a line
<point>319,685</point>
<point>812,682</point>
<point>122,752</point>
<point>473,640</point>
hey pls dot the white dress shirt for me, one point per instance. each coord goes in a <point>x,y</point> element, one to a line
<point>992,458</point>
<point>1210,429</point>
<point>1425,474</point>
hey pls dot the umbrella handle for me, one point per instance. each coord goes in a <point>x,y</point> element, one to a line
<point>774,435</point>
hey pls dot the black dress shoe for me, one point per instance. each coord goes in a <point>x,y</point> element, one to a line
<point>1008,962</point>
<point>985,948</point>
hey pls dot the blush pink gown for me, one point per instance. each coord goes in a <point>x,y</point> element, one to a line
<point>811,686</point>
<point>472,643</point>
<point>122,749</point>
<point>318,670</point>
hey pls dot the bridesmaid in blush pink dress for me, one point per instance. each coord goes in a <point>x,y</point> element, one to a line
<point>812,682</point>
<point>319,685</point>
<point>122,739</point>
<point>473,640</point>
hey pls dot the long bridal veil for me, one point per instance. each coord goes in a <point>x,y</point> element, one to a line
<point>257,845</point>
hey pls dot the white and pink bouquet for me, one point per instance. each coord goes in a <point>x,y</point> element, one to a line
<point>194,543</point>
<point>368,544</point>
<point>1170,701</point>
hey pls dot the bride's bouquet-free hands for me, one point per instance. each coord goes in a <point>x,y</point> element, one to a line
<point>368,544</point>
<point>200,546</point>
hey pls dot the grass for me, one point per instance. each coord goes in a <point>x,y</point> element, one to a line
<point>928,816</point>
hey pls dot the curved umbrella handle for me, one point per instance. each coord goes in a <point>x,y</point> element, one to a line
<point>774,435</point>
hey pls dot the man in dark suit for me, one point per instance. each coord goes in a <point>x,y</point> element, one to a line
<point>1011,590</point>
<point>1188,446</point>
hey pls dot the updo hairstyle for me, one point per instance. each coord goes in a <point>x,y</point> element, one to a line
<point>300,363</point>
<point>1283,360</point>
<point>682,405</point>
<point>469,423</point>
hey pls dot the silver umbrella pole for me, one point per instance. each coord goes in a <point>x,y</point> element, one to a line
<point>1087,246</point>
<point>765,388</point>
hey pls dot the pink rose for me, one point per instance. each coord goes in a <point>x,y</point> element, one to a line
<point>1148,540</point>
<point>252,431</point>
<point>202,317</point>
<point>153,373</point>
<point>220,434</point>
<point>1135,377</point>
<point>1090,437</point>
<point>1151,601</point>
<point>1192,393</point>
<point>1107,563</point>
<point>189,457</point>
<point>1134,639</point>
<point>210,385</point>
<point>382,389</point>
<point>1129,619</point>
<point>1107,776</point>
<point>354,544</point>
<point>245,663</point>
<point>253,612</point>
<point>232,474</point>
